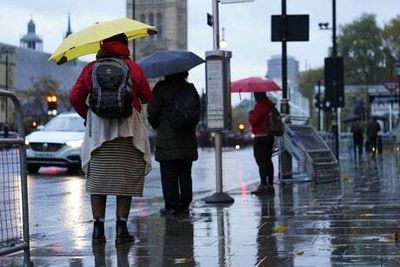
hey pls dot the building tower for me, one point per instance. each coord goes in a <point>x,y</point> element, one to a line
<point>69,31</point>
<point>170,18</point>
<point>31,40</point>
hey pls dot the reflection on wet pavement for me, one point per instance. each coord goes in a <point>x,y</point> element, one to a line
<point>346,223</point>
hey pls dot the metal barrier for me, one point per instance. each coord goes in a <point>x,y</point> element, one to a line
<point>313,155</point>
<point>14,221</point>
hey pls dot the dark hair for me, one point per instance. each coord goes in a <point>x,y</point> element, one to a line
<point>119,37</point>
<point>260,95</point>
<point>177,76</point>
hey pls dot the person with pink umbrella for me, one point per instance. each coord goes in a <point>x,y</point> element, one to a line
<point>263,142</point>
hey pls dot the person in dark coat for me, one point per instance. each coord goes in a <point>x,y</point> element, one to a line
<point>263,142</point>
<point>373,128</point>
<point>175,150</point>
<point>358,138</point>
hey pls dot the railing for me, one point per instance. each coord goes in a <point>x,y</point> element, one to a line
<point>14,219</point>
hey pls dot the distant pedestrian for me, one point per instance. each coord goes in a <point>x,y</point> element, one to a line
<point>115,151</point>
<point>174,113</point>
<point>358,139</point>
<point>263,142</point>
<point>373,128</point>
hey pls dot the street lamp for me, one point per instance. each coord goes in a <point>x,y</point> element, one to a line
<point>223,44</point>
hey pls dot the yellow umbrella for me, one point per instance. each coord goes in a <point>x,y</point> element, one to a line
<point>87,41</point>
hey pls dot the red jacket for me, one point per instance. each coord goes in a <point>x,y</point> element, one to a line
<point>83,84</point>
<point>260,116</point>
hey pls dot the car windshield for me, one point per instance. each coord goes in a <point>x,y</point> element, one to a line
<point>65,124</point>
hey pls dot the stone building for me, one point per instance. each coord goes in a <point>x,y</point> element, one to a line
<point>170,18</point>
<point>21,67</point>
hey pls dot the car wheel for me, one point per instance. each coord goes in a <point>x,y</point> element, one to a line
<point>33,169</point>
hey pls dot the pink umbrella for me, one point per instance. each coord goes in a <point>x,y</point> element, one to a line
<point>254,84</point>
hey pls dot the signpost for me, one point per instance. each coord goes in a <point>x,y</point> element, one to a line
<point>286,28</point>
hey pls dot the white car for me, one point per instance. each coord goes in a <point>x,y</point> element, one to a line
<point>57,144</point>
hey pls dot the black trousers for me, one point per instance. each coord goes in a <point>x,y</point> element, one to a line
<point>357,145</point>
<point>262,148</point>
<point>176,180</point>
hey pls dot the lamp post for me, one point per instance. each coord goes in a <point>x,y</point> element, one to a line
<point>133,41</point>
<point>397,71</point>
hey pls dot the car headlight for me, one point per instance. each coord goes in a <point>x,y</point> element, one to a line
<point>74,143</point>
<point>27,142</point>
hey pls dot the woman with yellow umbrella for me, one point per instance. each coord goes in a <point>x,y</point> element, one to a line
<point>115,151</point>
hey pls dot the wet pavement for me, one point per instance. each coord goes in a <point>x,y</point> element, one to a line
<point>351,222</point>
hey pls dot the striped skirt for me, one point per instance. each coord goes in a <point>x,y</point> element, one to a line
<point>116,168</point>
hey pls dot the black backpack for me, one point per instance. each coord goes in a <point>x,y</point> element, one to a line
<point>112,89</point>
<point>185,110</point>
<point>276,127</point>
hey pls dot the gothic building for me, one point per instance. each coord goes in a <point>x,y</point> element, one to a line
<point>21,67</point>
<point>31,40</point>
<point>170,18</point>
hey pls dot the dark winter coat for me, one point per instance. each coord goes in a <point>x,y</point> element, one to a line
<point>373,128</point>
<point>358,134</point>
<point>171,144</point>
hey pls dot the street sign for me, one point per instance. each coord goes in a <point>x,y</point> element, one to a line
<point>383,98</point>
<point>290,28</point>
<point>391,84</point>
<point>234,1</point>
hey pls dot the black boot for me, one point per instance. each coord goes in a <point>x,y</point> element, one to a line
<point>123,235</point>
<point>98,233</point>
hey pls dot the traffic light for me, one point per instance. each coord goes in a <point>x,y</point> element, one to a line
<point>334,81</point>
<point>51,105</point>
<point>241,128</point>
<point>317,101</point>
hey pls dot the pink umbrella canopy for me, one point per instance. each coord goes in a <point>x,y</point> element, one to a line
<point>254,84</point>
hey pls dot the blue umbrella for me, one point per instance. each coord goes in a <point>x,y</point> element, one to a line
<point>168,62</point>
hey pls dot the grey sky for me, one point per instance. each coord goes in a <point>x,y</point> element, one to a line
<point>247,26</point>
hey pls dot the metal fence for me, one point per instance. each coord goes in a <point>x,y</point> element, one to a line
<point>14,222</point>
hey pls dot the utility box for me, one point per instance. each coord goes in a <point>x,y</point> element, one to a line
<point>218,83</point>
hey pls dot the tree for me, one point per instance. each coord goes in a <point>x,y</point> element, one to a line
<point>391,41</point>
<point>308,79</point>
<point>361,46</point>
<point>34,98</point>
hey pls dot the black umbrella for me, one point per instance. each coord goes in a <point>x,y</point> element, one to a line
<point>351,118</point>
<point>168,62</point>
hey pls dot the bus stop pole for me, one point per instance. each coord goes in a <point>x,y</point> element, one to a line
<point>219,197</point>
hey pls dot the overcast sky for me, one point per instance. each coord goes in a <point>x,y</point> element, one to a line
<point>247,26</point>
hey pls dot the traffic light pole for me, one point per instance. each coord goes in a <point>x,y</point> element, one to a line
<point>319,105</point>
<point>335,128</point>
